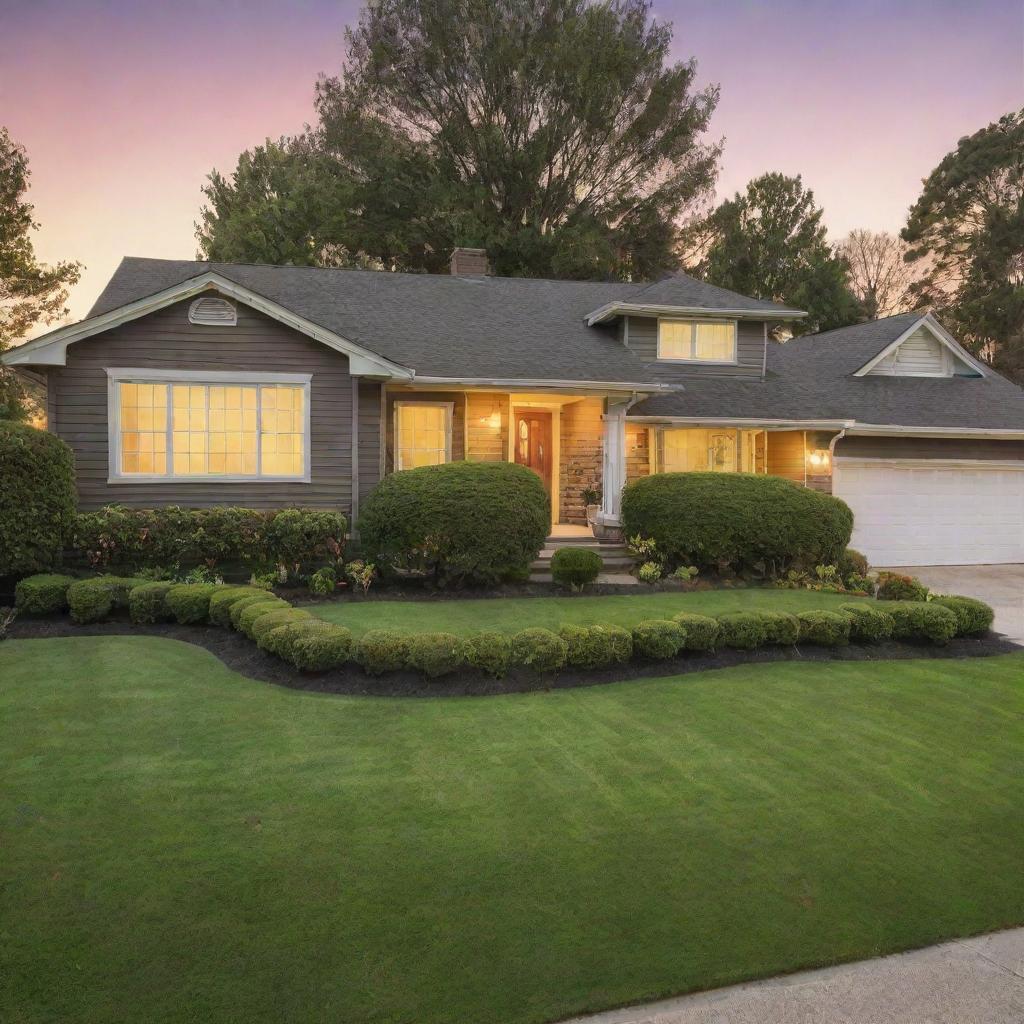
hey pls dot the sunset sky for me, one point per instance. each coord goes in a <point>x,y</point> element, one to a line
<point>125,105</point>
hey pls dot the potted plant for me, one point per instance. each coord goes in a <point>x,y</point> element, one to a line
<point>592,500</point>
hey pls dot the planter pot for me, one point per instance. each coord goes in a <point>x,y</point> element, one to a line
<point>592,511</point>
<point>607,532</point>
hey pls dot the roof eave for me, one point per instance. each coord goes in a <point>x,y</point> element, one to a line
<point>611,310</point>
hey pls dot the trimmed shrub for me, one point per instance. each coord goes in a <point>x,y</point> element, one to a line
<point>742,630</point>
<point>37,499</point>
<point>851,562</point>
<point>251,612</point>
<point>741,521</point>
<point>895,586</point>
<point>973,617</point>
<point>539,650</point>
<point>575,567</point>
<point>920,620</point>
<point>42,594</point>
<point>459,523</point>
<point>190,602</point>
<point>868,624</point>
<point>701,631</point>
<point>436,654</point>
<point>148,603</point>
<point>297,535</point>
<point>224,598</point>
<point>323,649</point>
<point>92,600</point>
<point>278,617</point>
<point>781,628</point>
<point>824,628</point>
<point>256,596</point>
<point>281,639</point>
<point>489,652</point>
<point>658,638</point>
<point>592,647</point>
<point>382,650</point>
<point>323,581</point>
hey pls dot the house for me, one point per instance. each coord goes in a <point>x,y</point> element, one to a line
<point>196,383</point>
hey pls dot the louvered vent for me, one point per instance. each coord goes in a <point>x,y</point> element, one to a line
<point>213,311</point>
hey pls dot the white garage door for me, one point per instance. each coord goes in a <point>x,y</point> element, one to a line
<point>916,513</point>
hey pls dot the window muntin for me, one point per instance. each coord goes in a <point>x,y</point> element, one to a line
<point>422,434</point>
<point>179,429</point>
<point>697,340</point>
<point>697,450</point>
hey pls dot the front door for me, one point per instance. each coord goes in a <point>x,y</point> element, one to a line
<point>533,442</point>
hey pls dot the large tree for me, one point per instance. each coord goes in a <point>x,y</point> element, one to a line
<point>769,242</point>
<point>880,276</point>
<point>968,225</point>
<point>557,134</point>
<point>31,292</point>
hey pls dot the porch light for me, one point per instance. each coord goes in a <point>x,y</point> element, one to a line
<point>494,420</point>
<point>820,459</point>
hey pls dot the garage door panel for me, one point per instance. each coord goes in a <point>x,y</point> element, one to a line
<point>948,514</point>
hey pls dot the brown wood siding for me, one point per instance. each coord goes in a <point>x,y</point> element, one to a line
<point>369,436</point>
<point>643,340</point>
<point>929,448</point>
<point>166,340</point>
<point>486,443</point>
<point>638,452</point>
<point>458,403</point>
<point>787,454</point>
<point>581,456</point>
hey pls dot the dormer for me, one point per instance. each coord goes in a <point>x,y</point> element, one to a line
<point>925,349</point>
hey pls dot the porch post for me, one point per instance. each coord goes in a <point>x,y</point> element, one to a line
<point>614,469</point>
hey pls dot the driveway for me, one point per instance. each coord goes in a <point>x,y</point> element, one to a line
<point>1001,586</point>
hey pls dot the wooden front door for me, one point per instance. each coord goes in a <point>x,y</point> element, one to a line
<point>533,442</point>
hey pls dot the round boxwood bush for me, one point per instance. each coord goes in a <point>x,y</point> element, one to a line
<point>251,612</point>
<point>868,623</point>
<point>920,620</point>
<point>489,652</point>
<point>323,649</point>
<point>190,602</point>
<point>37,499</point>
<point>737,520</point>
<point>382,650</point>
<point>895,586</point>
<point>436,654</point>
<point>148,603</point>
<point>281,639</point>
<point>460,523</point>
<point>742,630</point>
<point>575,567</point>
<point>973,617</point>
<point>42,594</point>
<point>701,631</point>
<point>247,601</point>
<point>92,600</point>
<point>824,628</point>
<point>539,650</point>
<point>277,617</point>
<point>658,638</point>
<point>223,599</point>
<point>598,646</point>
<point>781,628</point>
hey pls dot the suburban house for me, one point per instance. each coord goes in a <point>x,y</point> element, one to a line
<point>197,383</point>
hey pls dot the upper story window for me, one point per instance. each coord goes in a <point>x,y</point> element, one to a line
<point>212,311</point>
<point>704,341</point>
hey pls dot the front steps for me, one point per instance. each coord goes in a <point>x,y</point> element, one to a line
<point>618,562</point>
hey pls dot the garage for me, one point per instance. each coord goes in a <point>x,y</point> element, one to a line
<point>933,511</point>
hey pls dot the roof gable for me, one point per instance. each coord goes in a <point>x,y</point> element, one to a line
<point>924,349</point>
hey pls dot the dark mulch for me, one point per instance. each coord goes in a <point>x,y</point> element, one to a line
<point>243,656</point>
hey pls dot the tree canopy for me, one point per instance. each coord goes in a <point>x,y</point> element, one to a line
<point>880,276</point>
<point>556,134</point>
<point>30,292</point>
<point>769,242</point>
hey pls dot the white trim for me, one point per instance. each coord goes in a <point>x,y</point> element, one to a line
<point>738,421</point>
<point>995,433</point>
<point>51,349</point>
<point>941,335</point>
<point>542,383</point>
<point>852,461</point>
<point>610,310</point>
<point>694,322</point>
<point>119,375</point>
<point>449,408</point>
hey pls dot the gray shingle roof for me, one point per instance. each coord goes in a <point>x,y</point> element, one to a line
<point>680,289</point>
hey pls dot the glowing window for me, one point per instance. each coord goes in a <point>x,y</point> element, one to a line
<point>697,340</point>
<point>422,434</point>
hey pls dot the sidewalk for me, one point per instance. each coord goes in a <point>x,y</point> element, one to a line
<point>969,981</point>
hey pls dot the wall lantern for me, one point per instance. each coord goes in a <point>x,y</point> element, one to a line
<point>494,420</point>
<point>820,459</point>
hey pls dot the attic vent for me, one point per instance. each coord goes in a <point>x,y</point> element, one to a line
<point>212,311</point>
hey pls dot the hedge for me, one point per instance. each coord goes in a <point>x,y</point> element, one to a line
<point>490,652</point>
<point>436,654</point>
<point>920,620</point>
<point>594,647</point>
<point>147,603</point>
<point>382,650</point>
<point>322,649</point>
<point>824,628</point>
<point>459,523</point>
<point>658,638</point>
<point>223,600</point>
<point>781,628</point>
<point>37,499</point>
<point>251,612</point>
<point>281,640</point>
<point>973,617</point>
<point>737,521</point>
<point>539,650</point>
<point>93,599</point>
<point>274,618</point>
<point>868,624</point>
<point>575,567</point>
<point>42,594</point>
<point>247,600</point>
<point>190,602</point>
<point>742,630</point>
<point>895,586</point>
<point>701,631</point>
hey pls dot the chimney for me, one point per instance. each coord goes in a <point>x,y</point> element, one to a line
<point>469,262</point>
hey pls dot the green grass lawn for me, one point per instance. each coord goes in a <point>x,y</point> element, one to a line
<point>511,614</point>
<point>179,843</point>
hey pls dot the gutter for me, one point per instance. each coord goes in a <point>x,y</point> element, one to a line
<point>548,384</point>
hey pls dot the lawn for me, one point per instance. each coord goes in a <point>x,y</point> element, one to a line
<point>197,846</point>
<point>511,614</point>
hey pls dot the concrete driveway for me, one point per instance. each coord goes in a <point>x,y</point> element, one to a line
<point>1001,586</point>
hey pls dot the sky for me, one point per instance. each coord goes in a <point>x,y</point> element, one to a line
<point>125,106</point>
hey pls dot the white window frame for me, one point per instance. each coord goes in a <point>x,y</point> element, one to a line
<point>135,375</point>
<point>449,415</point>
<point>693,321</point>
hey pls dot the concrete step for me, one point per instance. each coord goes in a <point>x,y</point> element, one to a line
<point>618,560</point>
<point>622,578</point>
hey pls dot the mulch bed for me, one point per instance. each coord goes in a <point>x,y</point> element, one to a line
<point>243,656</point>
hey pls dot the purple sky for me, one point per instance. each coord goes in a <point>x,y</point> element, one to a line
<point>126,105</point>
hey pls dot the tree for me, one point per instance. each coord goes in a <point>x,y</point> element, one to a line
<point>554,133</point>
<point>769,242</point>
<point>968,224</point>
<point>880,277</point>
<point>30,292</point>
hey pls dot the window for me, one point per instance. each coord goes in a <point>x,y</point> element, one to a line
<point>212,311</point>
<point>697,340</point>
<point>197,429</point>
<point>422,434</point>
<point>689,450</point>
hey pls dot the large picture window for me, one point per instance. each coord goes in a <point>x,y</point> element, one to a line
<point>697,340</point>
<point>422,434</point>
<point>221,429</point>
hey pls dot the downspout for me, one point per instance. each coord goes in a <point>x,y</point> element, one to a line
<point>832,455</point>
<point>355,455</point>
